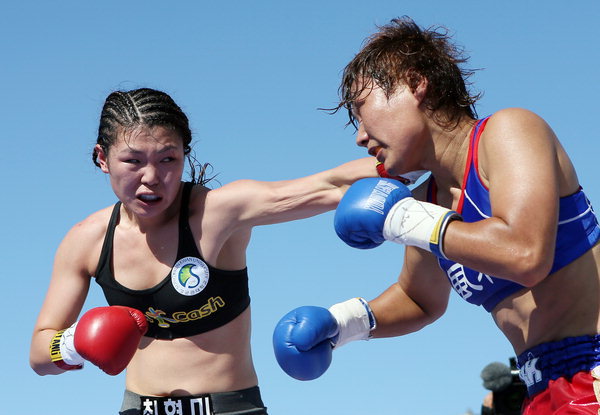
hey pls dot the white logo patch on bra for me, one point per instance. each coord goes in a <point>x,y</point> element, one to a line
<point>189,276</point>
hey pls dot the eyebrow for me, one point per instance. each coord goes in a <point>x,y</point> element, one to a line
<point>132,150</point>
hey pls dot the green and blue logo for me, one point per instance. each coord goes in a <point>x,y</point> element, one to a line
<point>189,276</point>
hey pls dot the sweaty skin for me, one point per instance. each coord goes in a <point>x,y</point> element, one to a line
<point>145,168</point>
<point>524,166</point>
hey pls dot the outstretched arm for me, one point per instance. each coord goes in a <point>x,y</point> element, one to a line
<point>255,203</point>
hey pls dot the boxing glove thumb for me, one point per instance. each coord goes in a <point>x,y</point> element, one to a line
<point>302,342</point>
<point>304,338</point>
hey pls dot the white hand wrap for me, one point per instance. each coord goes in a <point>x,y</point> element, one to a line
<point>421,224</point>
<point>67,347</point>
<point>355,321</point>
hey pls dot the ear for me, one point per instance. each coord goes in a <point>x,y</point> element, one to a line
<point>102,158</point>
<point>420,91</point>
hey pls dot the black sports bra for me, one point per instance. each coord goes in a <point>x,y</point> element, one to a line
<point>192,299</point>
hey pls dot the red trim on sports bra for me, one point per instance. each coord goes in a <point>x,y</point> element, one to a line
<point>472,158</point>
<point>461,200</point>
<point>476,152</point>
<point>432,191</point>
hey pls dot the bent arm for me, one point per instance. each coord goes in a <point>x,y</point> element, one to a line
<point>520,159</point>
<point>65,297</point>
<point>417,299</point>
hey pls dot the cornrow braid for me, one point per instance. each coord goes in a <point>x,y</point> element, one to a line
<point>127,110</point>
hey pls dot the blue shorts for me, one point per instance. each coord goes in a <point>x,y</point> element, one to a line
<point>561,359</point>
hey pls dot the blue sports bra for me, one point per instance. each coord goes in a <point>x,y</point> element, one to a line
<point>192,299</point>
<point>578,231</point>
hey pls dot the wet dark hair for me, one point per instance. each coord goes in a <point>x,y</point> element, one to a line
<point>403,53</point>
<point>128,110</point>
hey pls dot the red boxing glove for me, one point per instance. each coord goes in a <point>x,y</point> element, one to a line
<point>106,336</point>
<point>383,173</point>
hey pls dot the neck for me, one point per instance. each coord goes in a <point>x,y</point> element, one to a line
<point>450,149</point>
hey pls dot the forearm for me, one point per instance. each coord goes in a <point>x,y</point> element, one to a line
<point>263,203</point>
<point>325,189</point>
<point>108,337</point>
<point>397,314</point>
<point>345,174</point>
<point>305,338</point>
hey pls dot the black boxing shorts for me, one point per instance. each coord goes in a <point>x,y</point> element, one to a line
<point>242,402</point>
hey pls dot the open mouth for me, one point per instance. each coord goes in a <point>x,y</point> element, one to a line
<point>147,198</point>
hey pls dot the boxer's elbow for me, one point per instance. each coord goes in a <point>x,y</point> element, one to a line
<point>38,367</point>
<point>39,357</point>
<point>530,265</point>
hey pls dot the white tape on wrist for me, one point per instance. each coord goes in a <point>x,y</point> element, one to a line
<point>355,321</point>
<point>421,224</point>
<point>67,347</point>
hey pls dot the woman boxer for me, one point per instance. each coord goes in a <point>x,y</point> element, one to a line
<point>502,220</point>
<point>171,260</point>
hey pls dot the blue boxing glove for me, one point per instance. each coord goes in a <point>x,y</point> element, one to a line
<point>374,210</point>
<point>302,342</point>
<point>305,337</point>
<point>361,214</point>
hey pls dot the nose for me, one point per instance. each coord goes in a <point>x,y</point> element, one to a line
<point>362,138</point>
<point>150,175</point>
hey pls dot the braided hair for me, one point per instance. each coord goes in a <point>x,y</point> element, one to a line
<point>127,110</point>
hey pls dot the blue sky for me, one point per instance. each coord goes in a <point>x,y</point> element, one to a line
<point>251,75</point>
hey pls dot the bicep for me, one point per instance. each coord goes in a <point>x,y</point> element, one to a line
<point>64,299</point>
<point>520,162</point>
<point>68,288</point>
